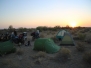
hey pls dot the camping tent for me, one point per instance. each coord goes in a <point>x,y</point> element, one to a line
<point>67,39</point>
<point>60,34</point>
<point>46,44</point>
<point>6,47</point>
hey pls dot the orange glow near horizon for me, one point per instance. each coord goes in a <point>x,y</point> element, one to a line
<point>73,24</point>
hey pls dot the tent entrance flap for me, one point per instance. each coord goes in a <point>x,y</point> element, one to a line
<point>67,40</point>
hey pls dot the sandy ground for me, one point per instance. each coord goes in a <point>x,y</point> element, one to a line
<point>25,60</point>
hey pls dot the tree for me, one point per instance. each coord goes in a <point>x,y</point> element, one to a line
<point>20,29</point>
<point>10,28</point>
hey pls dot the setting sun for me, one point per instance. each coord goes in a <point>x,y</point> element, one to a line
<point>73,24</point>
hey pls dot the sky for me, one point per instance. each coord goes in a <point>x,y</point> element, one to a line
<point>34,13</point>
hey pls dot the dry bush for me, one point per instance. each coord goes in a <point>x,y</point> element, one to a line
<point>38,61</point>
<point>81,36</point>
<point>63,54</point>
<point>19,52</point>
<point>42,36</point>
<point>54,39</point>
<point>48,33</point>
<point>87,57</point>
<point>88,38</point>
<point>75,37</point>
<point>80,47</point>
<point>6,62</point>
<point>85,30</point>
<point>40,54</point>
<point>74,31</point>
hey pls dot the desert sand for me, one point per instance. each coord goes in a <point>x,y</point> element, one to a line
<point>26,57</point>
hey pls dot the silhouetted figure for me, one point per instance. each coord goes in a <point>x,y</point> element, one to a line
<point>15,32</point>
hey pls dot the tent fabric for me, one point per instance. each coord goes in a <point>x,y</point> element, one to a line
<point>67,39</point>
<point>60,34</point>
<point>46,44</point>
<point>6,47</point>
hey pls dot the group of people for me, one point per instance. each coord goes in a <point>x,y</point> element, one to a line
<point>17,38</point>
<point>4,37</point>
<point>14,37</point>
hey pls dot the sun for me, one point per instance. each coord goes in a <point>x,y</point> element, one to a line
<point>73,24</point>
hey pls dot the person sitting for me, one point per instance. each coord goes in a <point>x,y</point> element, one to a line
<point>33,35</point>
<point>20,39</point>
<point>37,34</point>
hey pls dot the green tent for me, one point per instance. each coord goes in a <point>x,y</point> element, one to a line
<point>60,34</point>
<point>67,39</point>
<point>46,44</point>
<point>6,47</point>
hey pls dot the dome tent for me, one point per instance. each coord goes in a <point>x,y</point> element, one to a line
<point>67,39</point>
<point>46,44</point>
<point>6,47</point>
<point>60,34</point>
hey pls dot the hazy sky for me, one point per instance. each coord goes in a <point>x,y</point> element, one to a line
<point>33,13</point>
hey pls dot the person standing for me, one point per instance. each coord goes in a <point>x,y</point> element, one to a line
<point>15,32</point>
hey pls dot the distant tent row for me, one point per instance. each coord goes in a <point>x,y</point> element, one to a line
<point>47,45</point>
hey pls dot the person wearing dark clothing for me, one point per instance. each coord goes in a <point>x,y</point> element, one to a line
<point>33,35</point>
<point>15,33</point>
<point>20,39</point>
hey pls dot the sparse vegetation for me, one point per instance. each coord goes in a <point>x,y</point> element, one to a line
<point>19,52</point>
<point>6,62</point>
<point>39,55</point>
<point>80,47</point>
<point>88,38</point>
<point>42,36</point>
<point>38,61</point>
<point>63,54</point>
<point>24,56</point>
<point>81,36</point>
<point>87,56</point>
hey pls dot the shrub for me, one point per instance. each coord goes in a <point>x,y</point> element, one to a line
<point>19,52</point>
<point>42,36</point>
<point>63,54</point>
<point>38,60</point>
<point>80,47</point>
<point>76,38</point>
<point>6,61</point>
<point>88,38</point>
<point>81,36</point>
<point>87,56</point>
<point>39,54</point>
<point>85,30</point>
